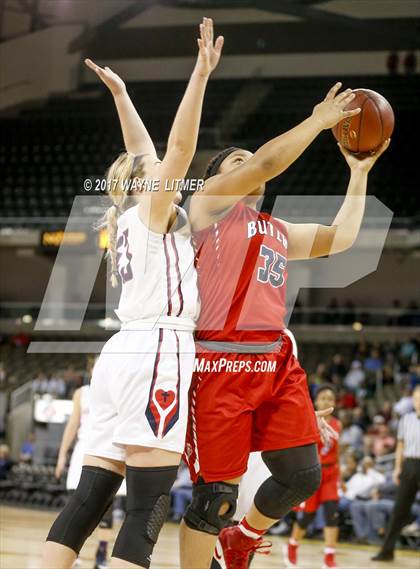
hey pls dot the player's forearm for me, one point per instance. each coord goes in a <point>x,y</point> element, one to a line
<point>184,132</point>
<point>136,137</point>
<point>68,437</point>
<point>349,218</point>
<point>279,153</point>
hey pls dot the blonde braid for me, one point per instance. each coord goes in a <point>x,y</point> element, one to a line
<point>119,173</point>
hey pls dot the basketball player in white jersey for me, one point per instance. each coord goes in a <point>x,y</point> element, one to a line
<point>139,388</point>
<point>77,426</point>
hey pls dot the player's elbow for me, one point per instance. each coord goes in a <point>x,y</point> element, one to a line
<point>342,237</point>
<point>268,167</point>
<point>181,148</point>
<point>343,243</point>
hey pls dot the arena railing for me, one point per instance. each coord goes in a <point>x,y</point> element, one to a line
<point>356,317</point>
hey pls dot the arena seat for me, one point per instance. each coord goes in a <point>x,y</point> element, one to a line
<point>47,152</point>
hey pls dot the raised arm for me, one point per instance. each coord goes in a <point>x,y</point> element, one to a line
<point>182,141</point>
<point>278,154</point>
<point>69,435</point>
<point>136,137</point>
<point>310,240</point>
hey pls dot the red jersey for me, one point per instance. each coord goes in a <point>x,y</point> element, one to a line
<point>328,454</point>
<point>241,263</point>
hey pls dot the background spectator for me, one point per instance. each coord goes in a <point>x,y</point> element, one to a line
<point>351,435</point>
<point>355,377</point>
<point>410,63</point>
<point>392,63</point>
<point>27,450</point>
<point>6,462</point>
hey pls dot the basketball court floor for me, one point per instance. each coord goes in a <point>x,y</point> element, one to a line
<point>22,533</point>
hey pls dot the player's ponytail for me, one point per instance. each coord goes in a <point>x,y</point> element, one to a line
<point>125,168</point>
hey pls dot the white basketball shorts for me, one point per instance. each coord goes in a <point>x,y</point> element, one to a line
<point>139,392</point>
<point>75,470</point>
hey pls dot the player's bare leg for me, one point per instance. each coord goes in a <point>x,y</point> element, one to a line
<point>295,475</point>
<point>257,520</point>
<point>58,556</point>
<point>290,549</point>
<point>298,533</point>
<point>197,547</point>
<point>331,538</point>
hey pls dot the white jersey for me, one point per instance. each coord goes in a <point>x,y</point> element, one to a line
<point>159,280</point>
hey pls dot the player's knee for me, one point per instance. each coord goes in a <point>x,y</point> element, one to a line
<point>148,504</point>
<point>306,482</point>
<point>86,507</point>
<point>331,513</point>
<point>213,506</point>
<point>275,499</point>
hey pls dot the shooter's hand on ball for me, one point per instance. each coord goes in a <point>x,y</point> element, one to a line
<point>113,81</point>
<point>209,52</point>
<point>325,430</point>
<point>331,110</point>
<point>363,162</point>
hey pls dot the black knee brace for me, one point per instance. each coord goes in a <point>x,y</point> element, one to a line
<point>203,512</point>
<point>331,513</point>
<point>296,475</point>
<point>304,519</point>
<point>106,521</point>
<point>85,508</point>
<point>148,505</point>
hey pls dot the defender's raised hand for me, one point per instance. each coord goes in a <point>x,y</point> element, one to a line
<point>113,81</point>
<point>326,432</point>
<point>209,51</point>
<point>331,110</point>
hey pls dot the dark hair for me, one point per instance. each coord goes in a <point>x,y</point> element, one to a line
<point>326,387</point>
<point>214,164</point>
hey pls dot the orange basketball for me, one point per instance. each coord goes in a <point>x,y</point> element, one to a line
<point>371,127</point>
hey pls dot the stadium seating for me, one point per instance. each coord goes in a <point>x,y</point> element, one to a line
<point>47,152</point>
<point>33,486</point>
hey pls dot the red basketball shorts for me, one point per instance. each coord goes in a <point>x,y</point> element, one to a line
<point>241,403</point>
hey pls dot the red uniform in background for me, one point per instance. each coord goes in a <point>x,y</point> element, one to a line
<point>330,482</point>
<point>243,402</point>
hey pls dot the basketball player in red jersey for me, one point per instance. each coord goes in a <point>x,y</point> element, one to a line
<point>326,495</point>
<point>249,392</point>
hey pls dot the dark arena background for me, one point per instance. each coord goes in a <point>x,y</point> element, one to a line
<point>59,128</point>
